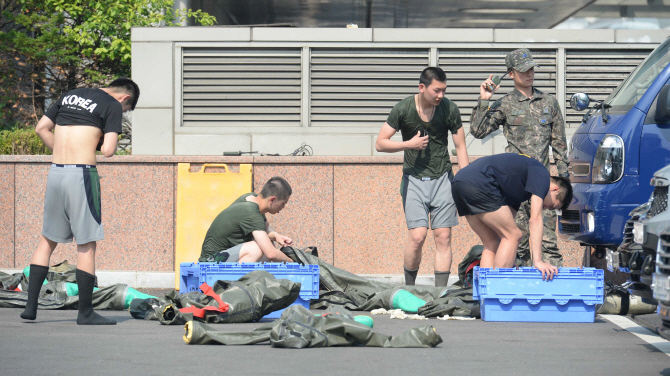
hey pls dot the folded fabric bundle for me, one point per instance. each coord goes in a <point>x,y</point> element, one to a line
<point>299,328</point>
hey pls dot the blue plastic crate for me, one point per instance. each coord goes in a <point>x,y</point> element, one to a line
<point>521,294</point>
<point>194,274</point>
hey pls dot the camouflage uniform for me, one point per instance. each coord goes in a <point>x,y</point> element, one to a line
<point>530,126</point>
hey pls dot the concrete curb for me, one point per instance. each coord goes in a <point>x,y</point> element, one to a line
<point>165,280</point>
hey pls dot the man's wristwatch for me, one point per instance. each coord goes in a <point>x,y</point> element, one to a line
<point>565,175</point>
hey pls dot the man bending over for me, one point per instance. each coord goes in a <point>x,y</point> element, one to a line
<point>489,191</point>
<point>240,233</point>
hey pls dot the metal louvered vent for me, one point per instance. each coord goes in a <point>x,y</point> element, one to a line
<point>571,228</point>
<point>355,87</point>
<point>466,70</point>
<point>570,215</point>
<point>663,255</point>
<point>241,87</point>
<point>596,73</point>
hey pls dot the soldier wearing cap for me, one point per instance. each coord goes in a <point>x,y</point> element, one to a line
<point>532,122</point>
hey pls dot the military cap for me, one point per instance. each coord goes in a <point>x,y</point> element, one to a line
<point>520,60</point>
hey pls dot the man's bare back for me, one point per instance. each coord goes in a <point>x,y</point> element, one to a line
<point>76,144</point>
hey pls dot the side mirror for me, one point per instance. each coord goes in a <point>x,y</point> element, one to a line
<point>579,101</point>
<point>662,114</point>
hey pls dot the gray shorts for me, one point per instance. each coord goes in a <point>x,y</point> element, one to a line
<point>421,198</point>
<point>231,254</point>
<point>72,205</point>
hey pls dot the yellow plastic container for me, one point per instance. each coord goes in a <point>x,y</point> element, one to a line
<point>201,196</point>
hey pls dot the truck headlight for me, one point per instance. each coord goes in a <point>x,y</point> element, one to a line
<point>609,160</point>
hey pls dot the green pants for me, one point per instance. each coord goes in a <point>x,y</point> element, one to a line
<point>550,252</point>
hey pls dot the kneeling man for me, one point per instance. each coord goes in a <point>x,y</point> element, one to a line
<point>489,191</point>
<point>240,233</point>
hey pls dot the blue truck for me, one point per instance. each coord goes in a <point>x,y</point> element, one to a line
<point>620,205</point>
<point>615,151</point>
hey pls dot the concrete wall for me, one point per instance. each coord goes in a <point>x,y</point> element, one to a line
<point>157,67</point>
<point>349,207</point>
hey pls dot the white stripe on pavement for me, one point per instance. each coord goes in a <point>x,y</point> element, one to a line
<point>644,333</point>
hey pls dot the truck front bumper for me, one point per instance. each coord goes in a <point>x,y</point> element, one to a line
<point>595,218</point>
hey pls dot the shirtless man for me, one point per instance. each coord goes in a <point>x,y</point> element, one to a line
<point>83,120</point>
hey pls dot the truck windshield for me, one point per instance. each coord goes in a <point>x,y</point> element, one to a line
<point>624,97</point>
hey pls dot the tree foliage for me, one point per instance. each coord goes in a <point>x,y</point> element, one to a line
<point>48,47</point>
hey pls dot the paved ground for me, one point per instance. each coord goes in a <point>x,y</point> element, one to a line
<point>651,321</point>
<point>54,344</point>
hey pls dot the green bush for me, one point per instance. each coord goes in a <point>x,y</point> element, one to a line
<point>22,141</point>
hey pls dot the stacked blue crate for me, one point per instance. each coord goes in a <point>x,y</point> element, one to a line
<point>194,274</point>
<point>521,294</point>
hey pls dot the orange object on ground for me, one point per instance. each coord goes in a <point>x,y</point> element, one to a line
<point>200,312</point>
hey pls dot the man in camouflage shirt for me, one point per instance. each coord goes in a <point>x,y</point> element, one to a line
<point>532,122</point>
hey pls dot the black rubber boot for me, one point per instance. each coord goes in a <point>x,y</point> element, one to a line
<point>410,276</point>
<point>87,316</point>
<point>441,278</point>
<point>37,275</point>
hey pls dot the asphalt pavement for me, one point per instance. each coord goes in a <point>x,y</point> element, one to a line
<point>55,345</point>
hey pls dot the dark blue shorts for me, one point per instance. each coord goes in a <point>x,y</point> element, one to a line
<point>471,201</point>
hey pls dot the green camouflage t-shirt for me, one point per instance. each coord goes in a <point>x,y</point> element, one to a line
<point>434,160</point>
<point>233,226</point>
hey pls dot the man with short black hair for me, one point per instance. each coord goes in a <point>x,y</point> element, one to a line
<point>425,121</point>
<point>82,120</point>
<point>489,193</point>
<point>240,233</point>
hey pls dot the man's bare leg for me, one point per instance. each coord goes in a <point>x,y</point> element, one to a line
<point>86,257</point>
<point>443,255</point>
<point>417,236</point>
<point>250,252</point>
<point>412,256</point>
<point>490,240</point>
<point>502,222</point>
<point>43,252</point>
<point>443,252</point>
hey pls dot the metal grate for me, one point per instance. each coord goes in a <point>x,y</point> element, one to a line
<point>355,87</point>
<point>570,215</point>
<point>571,228</point>
<point>249,86</point>
<point>663,265</point>
<point>659,202</point>
<point>663,256</point>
